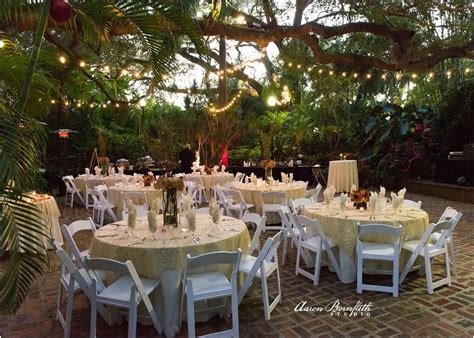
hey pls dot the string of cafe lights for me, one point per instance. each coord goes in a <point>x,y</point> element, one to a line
<point>368,75</point>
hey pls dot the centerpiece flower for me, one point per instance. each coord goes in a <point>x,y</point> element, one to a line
<point>148,180</point>
<point>268,165</point>
<point>170,187</point>
<point>360,198</point>
<point>104,164</point>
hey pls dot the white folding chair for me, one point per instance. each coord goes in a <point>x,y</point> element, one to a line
<point>69,231</point>
<point>455,216</point>
<point>292,231</point>
<point>262,267</point>
<point>313,193</point>
<point>272,201</point>
<point>200,286</point>
<point>259,223</point>
<point>71,190</point>
<point>239,177</point>
<point>128,291</point>
<point>412,204</point>
<point>90,185</point>
<point>236,203</point>
<point>317,244</point>
<point>102,204</point>
<point>140,201</point>
<point>303,183</point>
<point>378,251</point>
<point>297,205</point>
<point>427,250</point>
<point>73,279</point>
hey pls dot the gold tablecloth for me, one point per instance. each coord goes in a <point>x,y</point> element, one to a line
<point>253,194</point>
<point>343,228</point>
<point>81,181</point>
<point>115,195</point>
<point>164,258</point>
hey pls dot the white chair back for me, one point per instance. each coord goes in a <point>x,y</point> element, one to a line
<point>70,230</point>
<point>412,204</point>
<point>273,197</point>
<point>297,205</point>
<point>259,222</point>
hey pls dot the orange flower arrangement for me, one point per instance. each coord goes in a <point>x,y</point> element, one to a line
<point>267,164</point>
<point>168,183</point>
<point>104,160</point>
<point>359,197</point>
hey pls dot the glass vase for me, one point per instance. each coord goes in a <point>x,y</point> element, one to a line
<point>268,175</point>
<point>104,167</point>
<point>170,212</point>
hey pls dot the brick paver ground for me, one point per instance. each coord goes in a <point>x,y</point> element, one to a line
<point>447,312</point>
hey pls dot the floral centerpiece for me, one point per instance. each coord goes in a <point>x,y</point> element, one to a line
<point>170,187</point>
<point>268,165</point>
<point>148,180</point>
<point>104,164</point>
<point>360,198</point>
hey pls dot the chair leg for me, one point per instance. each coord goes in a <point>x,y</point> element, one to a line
<point>278,281</point>
<point>266,303</point>
<point>190,315</point>
<point>429,277</point>
<point>317,267</point>
<point>453,256</point>
<point>70,306</point>
<point>298,255</point>
<point>395,276</point>
<point>448,272</point>
<point>132,321</point>
<point>235,313</point>
<point>93,318</point>
<point>58,306</point>
<point>360,265</point>
<point>285,249</point>
<point>102,212</point>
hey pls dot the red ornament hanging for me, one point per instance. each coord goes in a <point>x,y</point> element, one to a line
<point>60,11</point>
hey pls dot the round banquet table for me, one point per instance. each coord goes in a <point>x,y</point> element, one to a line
<point>114,195</point>
<point>209,180</point>
<point>81,180</point>
<point>343,174</point>
<point>164,258</point>
<point>343,229</point>
<point>252,193</point>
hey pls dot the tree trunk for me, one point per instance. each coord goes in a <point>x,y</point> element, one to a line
<point>223,73</point>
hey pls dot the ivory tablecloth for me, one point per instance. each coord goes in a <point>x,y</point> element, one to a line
<point>164,258</point>
<point>343,174</point>
<point>343,228</point>
<point>115,195</point>
<point>252,193</point>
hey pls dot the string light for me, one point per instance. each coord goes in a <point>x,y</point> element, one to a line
<point>117,105</point>
<point>431,74</point>
<point>448,73</point>
<point>227,106</point>
<point>53,101</point>
<point>299,66</point>
<point>106,68</point>
<point>79,105</point>
<point>331,72</point>
<point>344,74</point>
<point>368,76</point>
<point>467,70</point>
<point>414,76</point>
<point>355,75</point>
<point>398,76</point>
<point>137,75</point>
<point>82,64</point>
<point>384,76</point>
<point>2,44</point>
<point>320,71</point>
<point>290,64</point>
<point>124,72</point>
<point>91,105</point>
<point>62,59</point>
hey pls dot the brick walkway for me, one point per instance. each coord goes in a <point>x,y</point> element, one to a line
<point>448,312</point>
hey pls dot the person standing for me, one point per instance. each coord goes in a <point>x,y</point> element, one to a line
<point>186,157</point>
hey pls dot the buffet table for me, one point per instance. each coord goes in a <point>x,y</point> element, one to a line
<point>343,174</point>
<point>343,229</point>
<point>448,171</point>
<point>164,258</point>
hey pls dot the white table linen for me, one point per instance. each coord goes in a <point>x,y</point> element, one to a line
<point>343,174</point>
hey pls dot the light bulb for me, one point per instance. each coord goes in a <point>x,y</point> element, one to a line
<point>82,64</point>
<point>62,59</point>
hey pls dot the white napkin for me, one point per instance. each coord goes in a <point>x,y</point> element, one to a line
<point>253,178</point>
<point>223,167</point>
<point>396,201</point>
<point>382,192</point>
<point>97,170</point>
<point>401,193</point>
<point>291,177</point>
<point>120,170</point>
<point>186,202</point>
<point>152,222</point>
<point>215,169</point>
<point>331,192</point>
<point>88,172</point>
<point>373,201</point>
<point>353,188</point>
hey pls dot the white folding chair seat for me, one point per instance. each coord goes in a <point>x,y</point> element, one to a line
<point>262,267</point>
<point>412,204</point>
<point>211,285</point>
<point>379,251</point>
<point>428,250</point>
<point>318,244</point>
<point>272,201</point>
<point>455,216</point>
<point>128,291</point>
